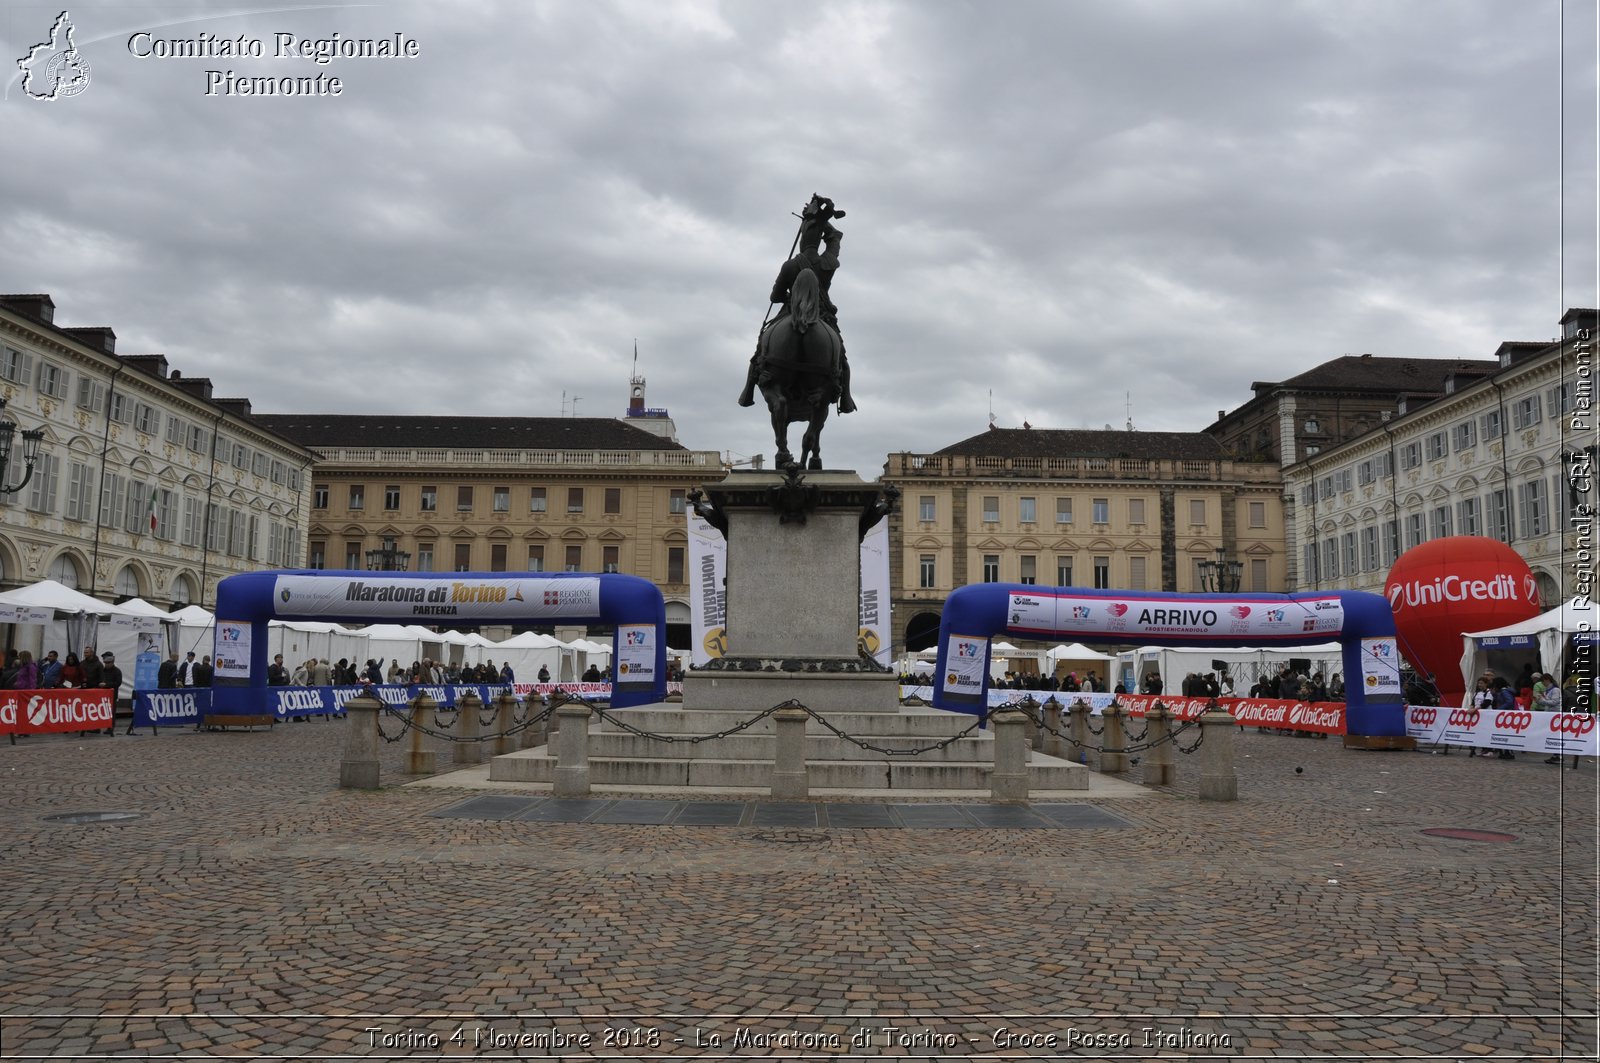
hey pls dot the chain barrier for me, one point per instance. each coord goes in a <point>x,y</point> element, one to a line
<point>441,732</point>
<point>1132,743</point>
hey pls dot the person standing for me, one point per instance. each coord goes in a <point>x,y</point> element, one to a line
<point>27,677</point>
<point>111,679</point>
<point>204,671</point>
<point>91,669</point>
<point>167,673</point>
<point>186,671</point>
<point>50,671</point>
<point>277,675</point>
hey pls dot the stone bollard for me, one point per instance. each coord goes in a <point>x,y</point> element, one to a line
<point>572,750</point>
<point>1054,744</point>
<point>358,768</point>
<point>1034,733</point>
<point>533,734</point>
<point>1217,779</point>
<point>1008,782</point>
<point>468,749</point>
<point>420,760</point>
<point>1114,737</point>
<point>505,741</point>
<point>1158,763</point>
<point>1079,731</point>
<point>790,779</point>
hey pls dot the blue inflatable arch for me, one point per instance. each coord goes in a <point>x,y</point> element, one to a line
<point>1362,623</point>
<point>246,603</point>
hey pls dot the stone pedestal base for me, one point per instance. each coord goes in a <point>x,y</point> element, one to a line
<point>751,692</point>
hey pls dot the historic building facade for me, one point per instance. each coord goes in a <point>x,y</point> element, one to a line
<point>1133,510</point>
<point>1506,454</point>
<point>146,484</point>
<point>502,494</point>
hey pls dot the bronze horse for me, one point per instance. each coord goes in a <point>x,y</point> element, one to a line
<point>799,358</point>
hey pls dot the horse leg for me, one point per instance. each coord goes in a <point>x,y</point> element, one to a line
<point>780,427</point>
<point>813,436</point>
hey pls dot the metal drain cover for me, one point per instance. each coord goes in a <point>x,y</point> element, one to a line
<point>1467,834</point>
<point>93,817</point>
<point>790,837</point>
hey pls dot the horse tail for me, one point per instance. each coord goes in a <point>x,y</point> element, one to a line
<point>805,301</point>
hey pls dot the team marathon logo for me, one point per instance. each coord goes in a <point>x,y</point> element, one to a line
<point>54,69</point>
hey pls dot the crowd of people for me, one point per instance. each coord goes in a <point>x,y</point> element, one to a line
<point>92,671</point>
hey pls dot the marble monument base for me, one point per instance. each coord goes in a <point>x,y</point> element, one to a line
<point>751,692</point>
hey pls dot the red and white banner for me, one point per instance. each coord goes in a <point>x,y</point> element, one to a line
<point>1318,717</point>
<point>1517,730</point>
<point>32,712</point>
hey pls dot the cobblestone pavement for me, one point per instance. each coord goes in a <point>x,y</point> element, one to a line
<point>255,910</point>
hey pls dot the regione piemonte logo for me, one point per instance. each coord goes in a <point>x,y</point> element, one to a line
<point>54,69</point>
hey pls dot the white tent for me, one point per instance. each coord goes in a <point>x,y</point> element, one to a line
<point>1076,657</point>
<point>1546,632</point>
<point>1245,664</point>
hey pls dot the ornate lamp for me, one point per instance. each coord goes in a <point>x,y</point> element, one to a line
<point>31,439</point>
<point>387,558</point>
<point>1221,576</point>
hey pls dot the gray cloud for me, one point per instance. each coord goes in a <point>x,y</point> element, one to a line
<point>1062,203</point>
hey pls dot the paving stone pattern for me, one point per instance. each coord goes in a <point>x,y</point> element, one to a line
<point>254,910</point>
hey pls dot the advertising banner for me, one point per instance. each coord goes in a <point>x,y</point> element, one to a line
<point>231,656</point>
<point>636,656</point>
<point>966,659</point>
<point>521,599</point>
<point>1380,667</point>
<point>875,622</point>
<point>708,598</point>
<point>147,660</point>
<point>1133,617</point>
<point>170,708</point>
<point>1516,730</point>
<point>29,712</point>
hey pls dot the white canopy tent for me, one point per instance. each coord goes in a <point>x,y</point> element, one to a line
<point>1078,658</point>
<point>56,617</point>
<point>1547,633</point>
<point>1244,664</point>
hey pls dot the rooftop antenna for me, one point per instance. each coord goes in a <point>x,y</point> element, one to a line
<point>991,408</point>
<point>1128,401</point>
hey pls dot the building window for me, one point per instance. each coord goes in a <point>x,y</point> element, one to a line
<point>424,557</point>
<point>1369,548</point>
<point>1258,514</point>
<point>1313,425</point>
<point>1028,510</point>
<point>991,568</point>
<point>1436,446</point>
<point>317,556</point>
<point>463,557</point>
<point>677,501</point>
<point>1063,571</point>
<point>991,509</point>
<point>14,366</point>
<point>1466,436</point>
<point>1391,541</point>
<point>574,558</point>
<point>113,496</point>
<point>1135,511</point>
<point>358,496</point>
<point>1349,542</point>
<point>91,395</point>
<point>1308,564</point>
<point>258,464</point>
<point>1197,511</point>
<point>1136,573</point>
<point>1499,516</point>
<point>391,497</point>
<point>536,558</point>
<point>502,500</point>
<point>1029,569</point>
<point>1364,473</point>
<point>1330,559</point>
<point>1493,425</point>
<point>1102,573</point>
<point>121,408</point>
<point>241,457</point>
<point>1063,511</point>
<point>925,509</point>
<point>1102,511</point>
<point>613,502</point>
<point>536,500</point>
<point>610,559</point>
<point>574,500</point>
<point>80,491</point>
<point>1532,510</point>
<point>352,555</point>
<point>1439,523</point>
<point>1525,414</point>
<point>430,499</point>
<point>926,571</point>
<point>199,439</point>
<point>1258,573</point>
<point>1468,516</point>
<point>146,419</point>
<point>54,381</point>
<point>497,557</point>
<point>1411,455</point>
<point>464,499</point>
<point>319,496</point>
<point>1558,400</point>
<point>674,564</point>
<point>1414,530</point>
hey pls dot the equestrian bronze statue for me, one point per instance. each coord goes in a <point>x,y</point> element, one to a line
<point>799,365</point>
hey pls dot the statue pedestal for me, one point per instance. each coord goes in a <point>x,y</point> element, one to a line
<point>794,597</point>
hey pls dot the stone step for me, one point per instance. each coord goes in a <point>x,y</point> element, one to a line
<point>746,746</point>
<point>538,766</point>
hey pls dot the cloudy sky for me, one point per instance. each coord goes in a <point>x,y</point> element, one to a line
<point>1062,204</point>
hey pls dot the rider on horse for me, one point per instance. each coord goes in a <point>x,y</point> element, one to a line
<point>816,228</point>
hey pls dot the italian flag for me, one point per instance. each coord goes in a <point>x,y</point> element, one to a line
<point>154,496</point>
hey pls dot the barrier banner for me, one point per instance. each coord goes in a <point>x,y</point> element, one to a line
<point>1316,717</point>
<point>1515,730</point>
<point>32,712</point>
<point>169,708</point>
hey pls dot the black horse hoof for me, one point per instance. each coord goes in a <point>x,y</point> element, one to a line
<point>814,465</point>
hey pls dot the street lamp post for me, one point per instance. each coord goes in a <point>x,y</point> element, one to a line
<point>30,451</point>
<point>1221,576</point>
<point>387,558</point>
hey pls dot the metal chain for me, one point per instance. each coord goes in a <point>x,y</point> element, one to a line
<point>606,714</point>
<point>790,704</point>
<point>1133,743</point>
<point>408,723</point>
